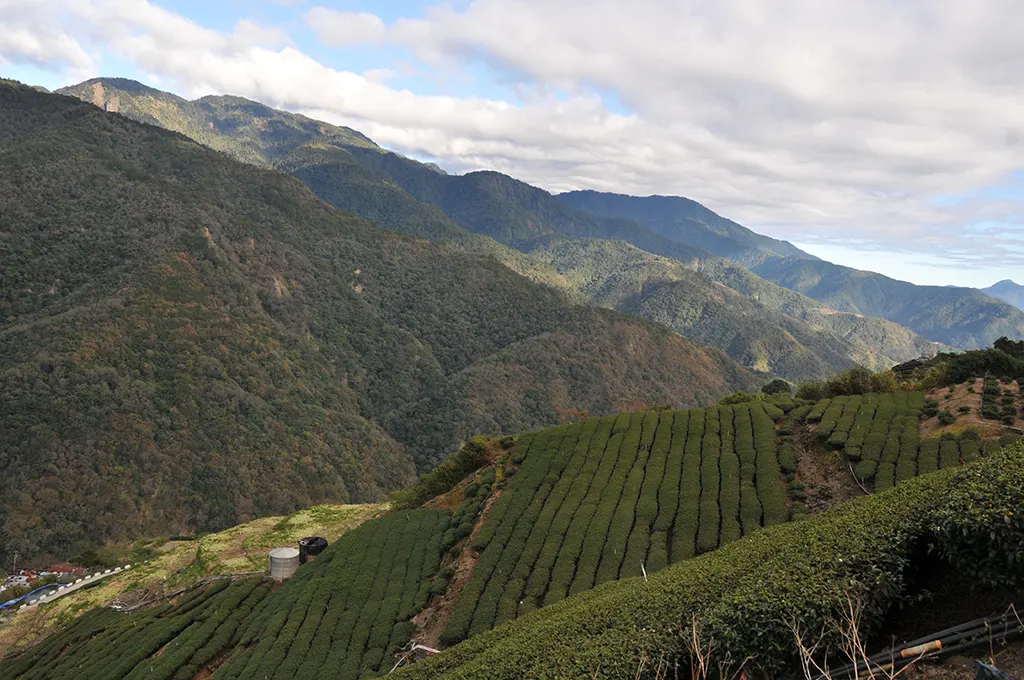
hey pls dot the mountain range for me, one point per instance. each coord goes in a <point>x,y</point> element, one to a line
<point>346,168</point>
<point>963,318</point>
<point>684,220</point>
<point>249,311</point>
<point>187,341</point>
<point>796,336</point>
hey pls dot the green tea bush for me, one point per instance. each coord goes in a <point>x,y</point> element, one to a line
<point>684,538</point>
<point>794,419</point>
<point>978,525</point>
<point>928,456</point>
<point>817,411</point>
<point>770,489</point>
<point>710,514</point>
<point>729,497</point>
<point>745,594</point>
<point>787,458</point>
<point>831,417</point>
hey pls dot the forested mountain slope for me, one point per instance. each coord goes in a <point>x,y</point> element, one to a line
<point>686,221</point>
<point>801,341</point>
<point>188,341</point>
<point>415,199</point>
<point>531,220</point>
<point>960,317</point>
<point>964,318</point>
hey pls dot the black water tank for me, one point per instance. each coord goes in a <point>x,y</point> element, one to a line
<point>310,547</point>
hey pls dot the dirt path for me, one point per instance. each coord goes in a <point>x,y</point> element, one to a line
<point>432,620</point>
<point>826,479</point>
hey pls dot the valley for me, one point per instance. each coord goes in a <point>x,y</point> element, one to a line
<point>545,435</point>
<point>542,237</point>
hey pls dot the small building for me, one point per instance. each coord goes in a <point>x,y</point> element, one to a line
<point>63,570</point>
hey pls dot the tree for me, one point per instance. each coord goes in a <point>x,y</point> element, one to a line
<point>778,386</point>
<point>1014,349</point>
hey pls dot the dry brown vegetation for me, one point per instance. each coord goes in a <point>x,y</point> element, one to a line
<point>988,429</point>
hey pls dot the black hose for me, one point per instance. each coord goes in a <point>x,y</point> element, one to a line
<point>949,631</point>
<point>951,640</point>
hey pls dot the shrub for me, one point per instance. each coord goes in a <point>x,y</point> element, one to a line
<point>778,386</point>
<point>812,390</point>
<point>946,418</point>
<point>472,456</point>
<point>743,595</point>
<point>740,398</point>
<point>978,526</point>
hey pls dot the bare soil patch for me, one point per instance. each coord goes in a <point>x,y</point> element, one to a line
<point>960,396</point>
<point>826,478</point>
<point>1008,658</point>
<point>940,600</point>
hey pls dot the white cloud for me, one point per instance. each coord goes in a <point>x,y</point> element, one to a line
<point>812,120</point>
<point>31,33</point>
<point>342,29</point>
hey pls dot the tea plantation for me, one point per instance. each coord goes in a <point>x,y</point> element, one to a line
<point>106,645</point>
<point>611,497</point>
<point>741,599</point>
<point>580,506</point>
<point>881,434</point>
<point>348,609</point>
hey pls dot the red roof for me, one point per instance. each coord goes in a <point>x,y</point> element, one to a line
<point>64,569</point>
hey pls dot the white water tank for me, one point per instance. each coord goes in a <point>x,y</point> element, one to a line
<point>283,563</point>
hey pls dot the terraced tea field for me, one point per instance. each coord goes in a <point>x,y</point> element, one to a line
<point>580,504</point>
<point>612,497</point>
<point>104,644</point>
<point>881,433</point>
<point>350,608</point>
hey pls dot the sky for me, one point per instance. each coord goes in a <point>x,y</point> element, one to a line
<point>881,134</point>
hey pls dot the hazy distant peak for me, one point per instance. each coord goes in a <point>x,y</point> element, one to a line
<point>1007,291</point>
<point>687,221</point>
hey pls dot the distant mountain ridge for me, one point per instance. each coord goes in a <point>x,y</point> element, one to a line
<point>963,318</point>
<point>1007,291</point>
<point>493,213</point>
<point>686,221</point>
